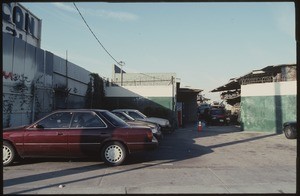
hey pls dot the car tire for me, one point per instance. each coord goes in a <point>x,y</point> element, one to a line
<point>113,153</point>
<point>9,154</point>
<point>290,132</point>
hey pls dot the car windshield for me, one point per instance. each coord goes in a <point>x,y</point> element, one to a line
<point>123,116</point>
<point>113,119</point>
<point>217,112</point>
<point>137,115</point>
<point>140,113</point>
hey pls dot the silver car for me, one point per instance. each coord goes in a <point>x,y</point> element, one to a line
<point>136,114</point>
<point>155,128</point>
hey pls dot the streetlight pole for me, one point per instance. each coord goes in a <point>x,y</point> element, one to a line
<point>121,63</point>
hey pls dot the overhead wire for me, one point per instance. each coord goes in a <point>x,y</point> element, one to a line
<point>119,63</point>
<point>95,35</point>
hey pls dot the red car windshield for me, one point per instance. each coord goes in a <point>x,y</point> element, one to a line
<point>217,112</point>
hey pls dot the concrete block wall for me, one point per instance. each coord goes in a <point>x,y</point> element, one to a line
<point>266,106</point>
<point>151,100</point>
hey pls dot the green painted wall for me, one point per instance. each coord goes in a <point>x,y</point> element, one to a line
<point>267,113</point>
<point>163,101</point>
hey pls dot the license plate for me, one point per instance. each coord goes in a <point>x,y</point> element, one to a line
<point>221,120</point>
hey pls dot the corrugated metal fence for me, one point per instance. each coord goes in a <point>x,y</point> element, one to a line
<point>36,82</point>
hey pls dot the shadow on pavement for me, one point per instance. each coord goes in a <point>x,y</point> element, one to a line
<point>177,146</point>
<point>209,131</point>
<point>181,145</point>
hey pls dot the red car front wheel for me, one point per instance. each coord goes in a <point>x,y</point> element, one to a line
<point>9,154</point>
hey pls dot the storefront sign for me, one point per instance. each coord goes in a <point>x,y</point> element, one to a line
<point>19,22</point>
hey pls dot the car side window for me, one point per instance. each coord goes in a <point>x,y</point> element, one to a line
<point>86,120</point>
<point>134,115</point>
<point>56,120</point>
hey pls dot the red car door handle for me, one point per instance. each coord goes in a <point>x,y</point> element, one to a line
<point>59,133</point>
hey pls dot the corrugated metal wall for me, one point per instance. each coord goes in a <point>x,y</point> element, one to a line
<point>34,82</point>
<point>70,83</point>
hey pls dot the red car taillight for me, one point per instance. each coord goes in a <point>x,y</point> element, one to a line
<point>149,135</point>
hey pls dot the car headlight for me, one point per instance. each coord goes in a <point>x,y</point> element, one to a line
<point>158,127</point>
<point>167,123</point>
<point>154,130</point>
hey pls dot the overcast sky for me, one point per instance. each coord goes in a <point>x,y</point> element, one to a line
<point>205,44</point>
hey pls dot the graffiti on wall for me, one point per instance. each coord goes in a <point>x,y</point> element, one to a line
<point>21,96</point>
<point>8,75</point>
<point>28,96</point>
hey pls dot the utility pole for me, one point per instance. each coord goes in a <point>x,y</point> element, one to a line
<point>67,82</point>
<point>121,63</point>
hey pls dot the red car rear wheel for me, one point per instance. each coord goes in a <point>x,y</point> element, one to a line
<point>113,153</point>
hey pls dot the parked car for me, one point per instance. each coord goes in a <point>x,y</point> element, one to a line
<point>163,123</point>
<point>290,129</point>
<point>201,111</point>
<point>77,133</point>
<point>131,121</point>
<point>218,116</point>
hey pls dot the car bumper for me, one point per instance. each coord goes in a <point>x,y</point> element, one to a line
<point>158,135</point>
<point>143,146</point>
<point>218,121</point>
<point>167,129</point>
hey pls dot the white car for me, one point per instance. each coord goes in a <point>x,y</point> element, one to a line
<point>155,128</point>
<point>163,123</point>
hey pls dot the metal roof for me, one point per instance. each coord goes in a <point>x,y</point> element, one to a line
<point>235,83</point>
<point>188,90</point>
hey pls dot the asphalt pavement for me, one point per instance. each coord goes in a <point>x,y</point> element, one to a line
<point>219,159</point>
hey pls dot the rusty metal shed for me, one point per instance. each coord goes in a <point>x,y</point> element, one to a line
<point>272,73</point>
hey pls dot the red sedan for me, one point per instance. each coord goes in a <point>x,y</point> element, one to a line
<point>77,133</point>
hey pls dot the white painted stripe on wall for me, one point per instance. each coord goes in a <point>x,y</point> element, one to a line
<point>269,89</point>
<point>139,91</point>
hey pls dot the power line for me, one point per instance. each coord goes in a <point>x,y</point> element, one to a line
<point>94,34</point>
<point>119,63</point>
